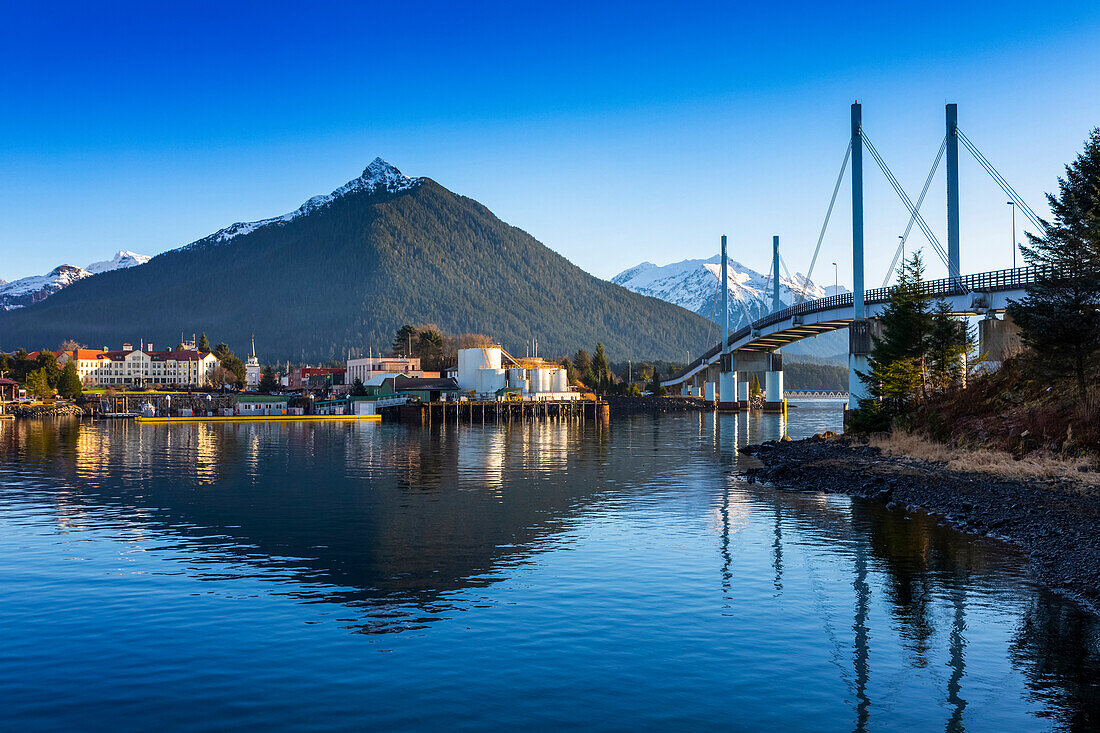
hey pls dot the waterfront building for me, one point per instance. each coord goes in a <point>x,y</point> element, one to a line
<point>261,405</point>
<point>365,368</point>
<point>129,367</point>
<point>316,377</point>
<point>9,390</point>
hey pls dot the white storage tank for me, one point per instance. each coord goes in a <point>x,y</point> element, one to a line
<point>490,380</point>
<point>472,360</point>
<point>516,378</point>
<point>561,381</point>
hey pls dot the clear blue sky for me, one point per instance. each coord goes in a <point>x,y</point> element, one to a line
<point>614,134</point>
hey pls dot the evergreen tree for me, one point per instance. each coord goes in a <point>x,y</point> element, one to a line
<point>754,386</point>
<point>204,345</point>
<point>583,364</point>
<point>570,370</point>
<point>70,385</point>
<point>358,389</point>
<point>236,368</point>
<point>403,341</point>
<point>429,348</point>
<point>269,381</point>
<point>47,362</point>
<point>948,344</point>
<point>1060,317</point>
<point>601,374</point>
<point>37,384</point>
<point>655,384</point>
<point>222,351</point>
<point>898,359</point>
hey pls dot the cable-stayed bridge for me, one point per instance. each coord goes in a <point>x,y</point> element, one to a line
<point>755,348</point>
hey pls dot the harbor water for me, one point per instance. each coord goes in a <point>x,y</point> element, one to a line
<point>541,575</point>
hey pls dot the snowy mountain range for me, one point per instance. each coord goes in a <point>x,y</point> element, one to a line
<point>694,285</point>
<point>27,290</point>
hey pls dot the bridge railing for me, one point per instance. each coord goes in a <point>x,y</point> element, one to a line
<point>1007,279</point>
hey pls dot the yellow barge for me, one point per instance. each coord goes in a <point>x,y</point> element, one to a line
<point>260,418</point>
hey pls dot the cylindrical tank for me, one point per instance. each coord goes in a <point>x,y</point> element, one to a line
<point>561,381</point>
<point>515,377</point>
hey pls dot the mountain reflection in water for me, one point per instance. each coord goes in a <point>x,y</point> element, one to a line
<point>612,574</point>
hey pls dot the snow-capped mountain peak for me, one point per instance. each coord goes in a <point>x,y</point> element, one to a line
<point>28,290</point>
<point>378,175</point>
<point>694,285</point>
<point>122,260</point>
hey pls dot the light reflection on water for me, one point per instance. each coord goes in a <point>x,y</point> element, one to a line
<point>539,575</point>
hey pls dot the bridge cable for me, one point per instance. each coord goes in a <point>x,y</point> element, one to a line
<point>1000,181</point>
<point>928,233</point>
<point>828,214</point>
<point>920,200</point>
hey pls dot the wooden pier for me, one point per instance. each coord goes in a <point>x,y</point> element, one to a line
<point>496,412</point>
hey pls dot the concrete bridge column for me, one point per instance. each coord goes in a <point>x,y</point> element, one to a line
<point>998,339</point>
<point>860,339</point>
<point>709,391</point>
<point>727,391</point>
<point>773,385</point>
<point>743,396</point>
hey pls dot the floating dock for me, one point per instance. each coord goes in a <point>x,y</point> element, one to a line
<point>260,418</point>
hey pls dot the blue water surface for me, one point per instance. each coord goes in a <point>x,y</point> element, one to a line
<point>536,576</point>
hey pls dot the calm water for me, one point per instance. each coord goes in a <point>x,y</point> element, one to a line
<point>615,577</point>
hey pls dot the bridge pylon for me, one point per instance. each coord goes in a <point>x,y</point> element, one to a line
<point>858,339</point>
<point>727,377</point>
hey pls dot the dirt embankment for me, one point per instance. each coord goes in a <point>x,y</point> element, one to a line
<point>1052,514</point>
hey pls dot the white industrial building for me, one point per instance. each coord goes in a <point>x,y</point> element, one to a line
<point>491,372</point>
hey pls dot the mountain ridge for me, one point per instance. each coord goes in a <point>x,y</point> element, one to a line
<point>343,273</point>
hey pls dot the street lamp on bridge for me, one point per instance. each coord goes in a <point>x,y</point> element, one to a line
<point>1013,205</point>
<point>836,280</point>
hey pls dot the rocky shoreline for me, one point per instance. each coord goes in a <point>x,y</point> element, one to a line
<point>31,411</point>
<point>1055,521</point>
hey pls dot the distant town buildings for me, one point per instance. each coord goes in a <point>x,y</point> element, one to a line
<point>364,368</point>
<point>132,367</point>
<point>316,377</point>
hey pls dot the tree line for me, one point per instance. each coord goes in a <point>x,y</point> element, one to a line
<point>924,352</point>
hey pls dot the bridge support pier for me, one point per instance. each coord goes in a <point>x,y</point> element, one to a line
<point>998,339</point>
<point>727,391</point>
<point>773,385</point>
<point>743,396</point>
<point>709,392</point>
<point>861,335</point>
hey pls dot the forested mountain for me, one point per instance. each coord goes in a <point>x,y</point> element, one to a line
<point>346,270</point>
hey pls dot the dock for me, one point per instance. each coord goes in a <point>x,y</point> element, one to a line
<point>496,411</point>
<point>260,418</point>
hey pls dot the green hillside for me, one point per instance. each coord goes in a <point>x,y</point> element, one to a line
<point>347,275</point>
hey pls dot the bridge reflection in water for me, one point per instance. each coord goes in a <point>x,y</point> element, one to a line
<point>616,574</point>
